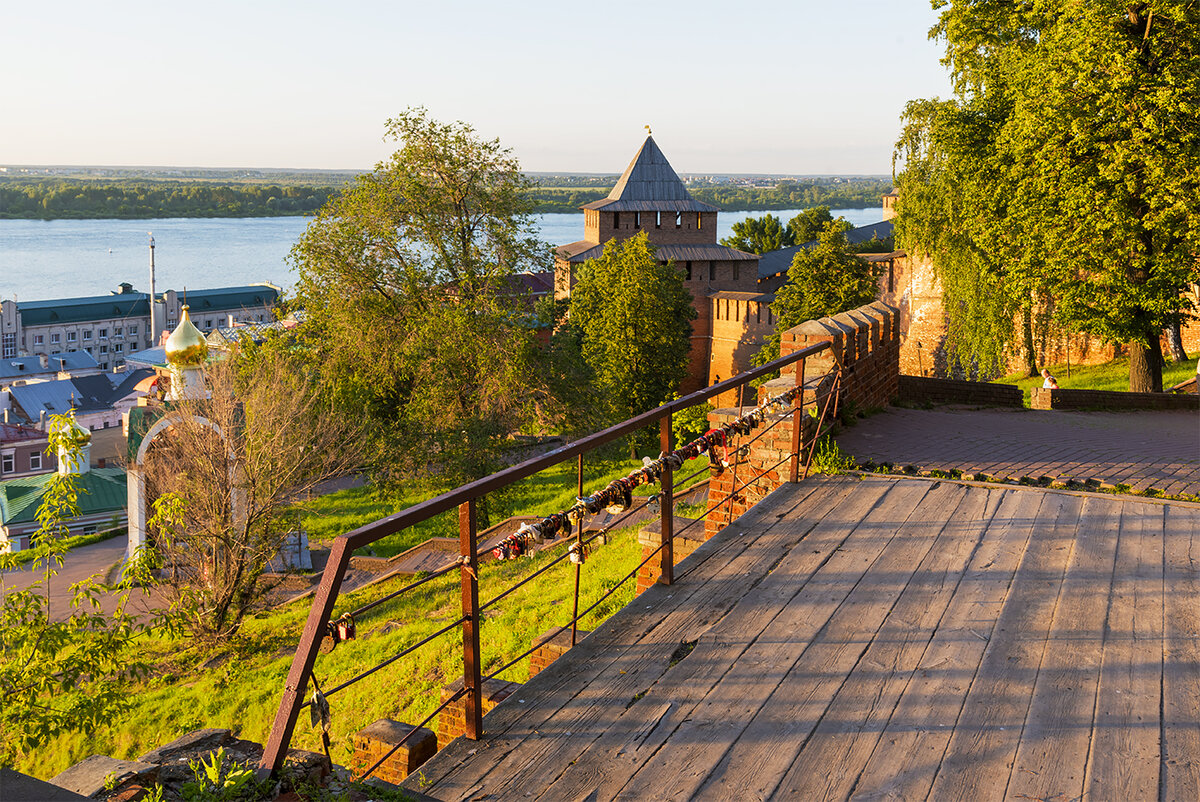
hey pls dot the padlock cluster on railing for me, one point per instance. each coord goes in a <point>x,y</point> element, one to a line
<point>617,496</point>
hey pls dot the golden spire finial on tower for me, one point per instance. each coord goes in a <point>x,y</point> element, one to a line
<point>648,131</point>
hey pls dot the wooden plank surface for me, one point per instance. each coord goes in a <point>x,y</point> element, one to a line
<point>979,757</point>
<point>1124,755</point>
<point>880,639</point>
<point>1181,655</point>
<point>904,762</point>
<point>1052,758</point>
<point>836,753</point>
<point>824,624</point>
<point>608,762</point>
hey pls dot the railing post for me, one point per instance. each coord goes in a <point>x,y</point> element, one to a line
<point>797,423</point>
<point>666,509</point>
<point>306,655</point>
<point>472,677</point>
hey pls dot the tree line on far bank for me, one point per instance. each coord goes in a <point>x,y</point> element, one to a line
<point>71,198</point>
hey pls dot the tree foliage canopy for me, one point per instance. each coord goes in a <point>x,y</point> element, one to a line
<point>633,315</point>
<point>413,313</point>
<point>759,235</point>
<point>1064,173</point>
<point>808,225</point>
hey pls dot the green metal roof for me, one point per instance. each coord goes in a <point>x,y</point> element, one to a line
<point>100,490</point>
<point>81,310</point>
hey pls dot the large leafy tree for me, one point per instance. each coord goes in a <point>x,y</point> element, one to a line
<point>413,314</point>
<point>1063,175</point>
<point>759,235</point>
<point>633,317</point>
<point>807,226</point>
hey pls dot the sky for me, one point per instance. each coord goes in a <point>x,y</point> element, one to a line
<point>796,87</point>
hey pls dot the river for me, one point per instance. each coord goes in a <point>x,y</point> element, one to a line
<point>45,259</point>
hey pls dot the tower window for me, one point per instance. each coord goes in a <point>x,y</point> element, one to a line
<point>699,225</point>
<point>658,219</point>
<point>637,220</point>
<point>712,271</point>
<point>679,219</point>
<point>688,267</point>
<point>736,271</point>
<point>616,219</point>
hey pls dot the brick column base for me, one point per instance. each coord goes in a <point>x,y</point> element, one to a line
<point>681,546</point>
<point>551,645</point>
<point>375,740</point>
<point>452,722</point>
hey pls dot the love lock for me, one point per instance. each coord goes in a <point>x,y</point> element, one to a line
<point>652,505</point>
<point>575,554</point>
<point>345,627</point>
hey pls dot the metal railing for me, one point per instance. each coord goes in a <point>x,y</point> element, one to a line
<point>321,621</point>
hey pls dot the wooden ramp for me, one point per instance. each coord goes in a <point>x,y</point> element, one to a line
<point>879,638</point>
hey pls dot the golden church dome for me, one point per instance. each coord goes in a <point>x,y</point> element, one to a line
<point>79,435</point>
<point>186,346</point>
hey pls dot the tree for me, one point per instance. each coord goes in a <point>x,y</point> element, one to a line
<point>1063,175</point>
<point>759,235</point>
<point>633,314</point>
<point>227,476</point>
<point>413,317</point>
<point>823,280</point>
<point>58,676</point>
<point>808,225</point>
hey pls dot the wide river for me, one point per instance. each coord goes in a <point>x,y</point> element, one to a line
<point>43,259</point>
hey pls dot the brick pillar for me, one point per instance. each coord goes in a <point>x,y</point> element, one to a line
<point>551,645</point>
<point>682,546</point>
<point>375,740</point>
<point>759,473</point>
<point>452,722</point>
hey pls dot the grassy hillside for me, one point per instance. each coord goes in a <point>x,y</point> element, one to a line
<point>1109,376</point>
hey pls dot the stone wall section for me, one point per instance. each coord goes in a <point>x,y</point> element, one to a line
<point>921,390</point>
<point>1042,398</point>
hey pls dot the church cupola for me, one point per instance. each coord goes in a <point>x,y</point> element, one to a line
<point>75,456</point>
<point>186,352</point>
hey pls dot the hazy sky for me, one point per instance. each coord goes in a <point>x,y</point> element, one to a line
<point>800,86</point>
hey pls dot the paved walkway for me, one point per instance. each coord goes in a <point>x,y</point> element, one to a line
<point>1140,449</point>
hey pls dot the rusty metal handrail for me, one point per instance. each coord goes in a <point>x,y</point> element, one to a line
<point>464,498</point>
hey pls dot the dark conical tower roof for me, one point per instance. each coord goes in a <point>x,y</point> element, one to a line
<point>650,184</point>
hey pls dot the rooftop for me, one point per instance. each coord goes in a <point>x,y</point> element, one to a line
<point>649,184</point>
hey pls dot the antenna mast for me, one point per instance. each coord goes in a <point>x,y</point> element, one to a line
<point>154,333</point>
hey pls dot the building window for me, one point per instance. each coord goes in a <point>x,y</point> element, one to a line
<point>133,331</point>
<point>35,461</point>
<point>698,219</point>
<point>38,339</point>
<point>8,346</point>
<point>658,219</point>
<point>55,338</point>
<point>208,325</point>
<point>71,336</point>
<point>118,348</point>
<point>616,219</point>
<point>736,270</point>
<point>103,366</point>
<point>104,349</point>
<point>712,271</point>
<point>679,219</point>
<point>688,267</point>
<point>87,334</point>
<point>117,331</point>
<point>8,463</point>
<point>637,220</point>
<point>103,334</point>
<point>172,323</point>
